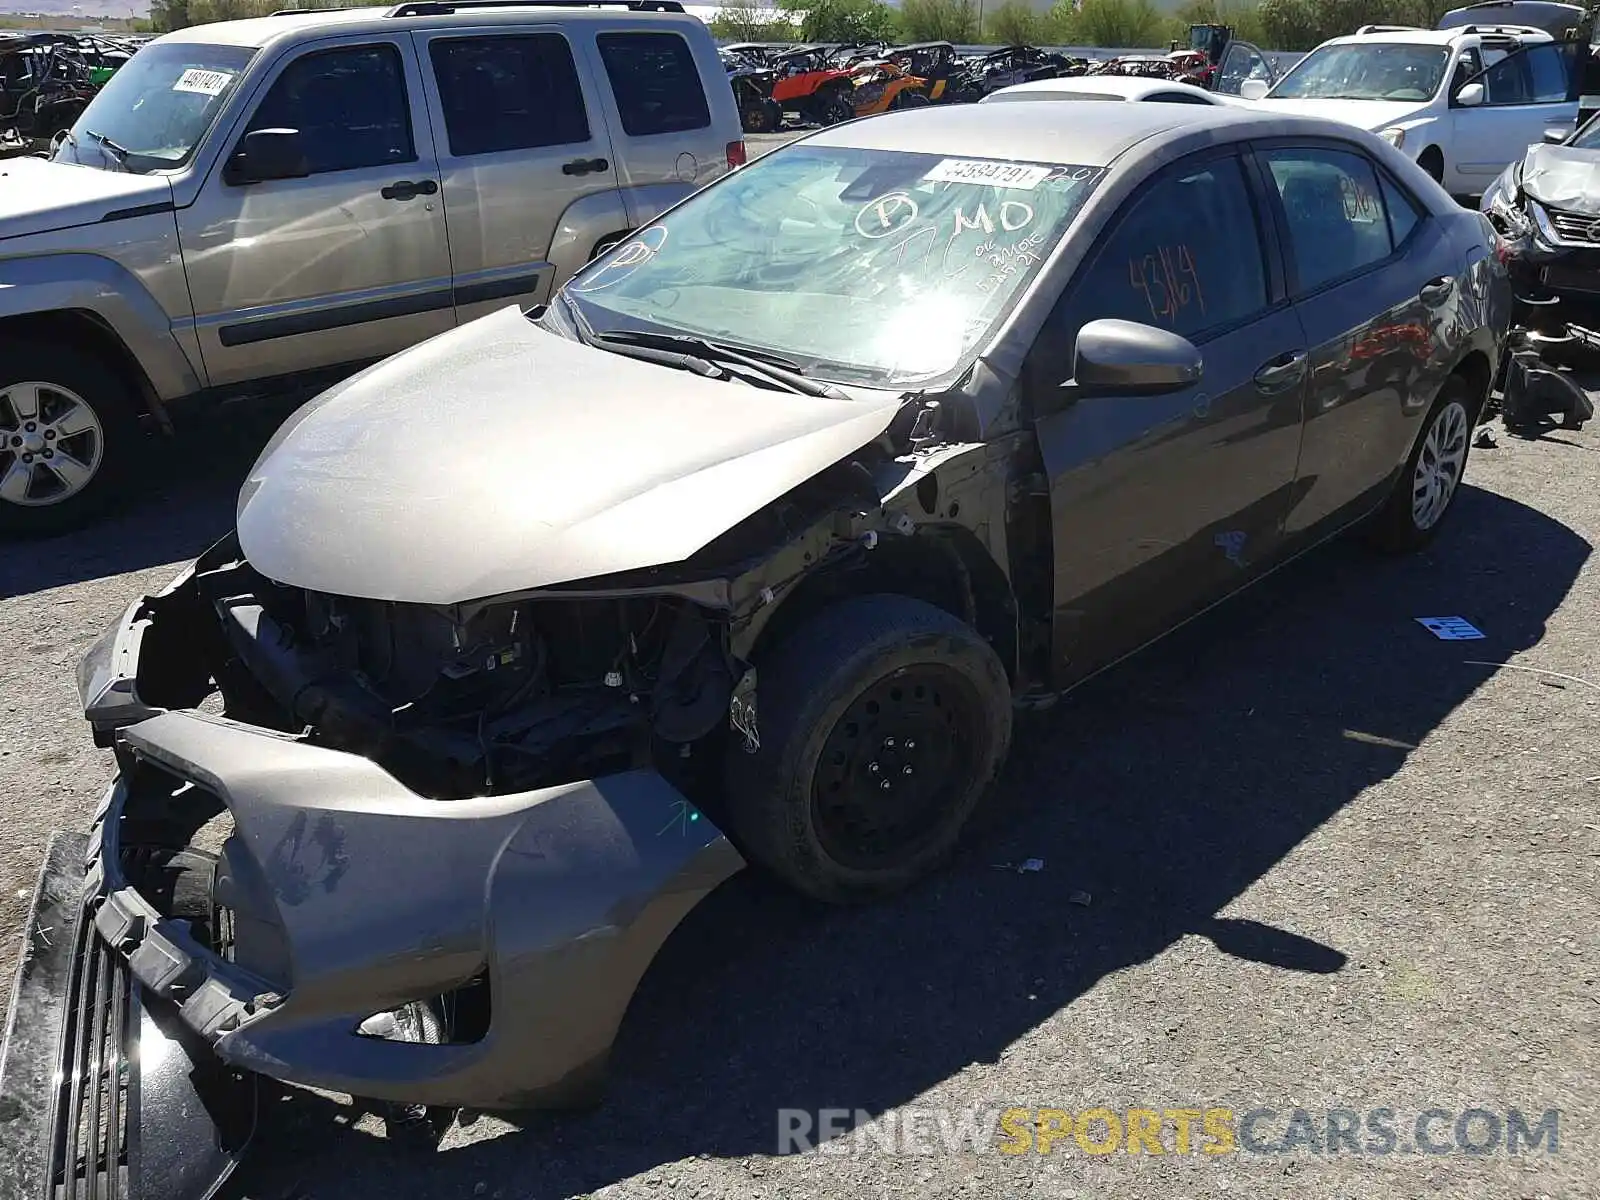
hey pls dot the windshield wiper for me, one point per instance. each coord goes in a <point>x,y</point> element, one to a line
<point>778,370</point>
<point>120,153</point>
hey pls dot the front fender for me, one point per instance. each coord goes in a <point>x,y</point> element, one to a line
<point>79,282</point>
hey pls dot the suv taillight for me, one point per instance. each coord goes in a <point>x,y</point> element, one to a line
<point>736,155</point>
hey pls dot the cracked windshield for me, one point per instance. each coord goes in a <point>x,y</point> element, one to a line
<point>151,114</point>
<point>861,265</point>
<point>1385,71</point>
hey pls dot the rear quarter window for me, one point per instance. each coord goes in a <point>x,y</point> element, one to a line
<point>656,83</point>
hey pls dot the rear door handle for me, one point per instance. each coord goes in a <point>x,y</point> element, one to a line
<point>1436,291</point>
<point>1281,373</point>
<point>407,189</point>
<point>583,166</point>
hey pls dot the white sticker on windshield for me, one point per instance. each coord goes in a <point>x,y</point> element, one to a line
<point>206,83</point>
<point>985,171</point>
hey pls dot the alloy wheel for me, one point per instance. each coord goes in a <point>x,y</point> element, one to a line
<point>51,444</point>
<point>1439,465</point>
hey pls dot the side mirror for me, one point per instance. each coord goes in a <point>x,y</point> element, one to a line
<point>1554,137</point>
<point>1126,358</point>
<point>1470,96</point>
<point>1253,89</point>
<point>265,154</point>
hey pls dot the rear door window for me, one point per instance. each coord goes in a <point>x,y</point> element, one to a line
<point>349,105</point>
<point>656,83</point>
<point>509,93</point>
<point>1338,222</point>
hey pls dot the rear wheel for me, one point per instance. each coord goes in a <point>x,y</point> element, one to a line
<point>834,108</point>
<point>910,98</point>
<point>883,723</point>
<point>1427,487</point>
<point>68,428</point>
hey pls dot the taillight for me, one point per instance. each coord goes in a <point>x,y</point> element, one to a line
<point>736,155</point>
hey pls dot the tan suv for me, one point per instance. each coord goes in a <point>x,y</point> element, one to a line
<point>255,203</point>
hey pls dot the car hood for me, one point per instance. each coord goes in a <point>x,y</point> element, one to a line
<point>38,196</point>
<point>1366,114</point>
<point>500,457</point>
<point>1563,177</point>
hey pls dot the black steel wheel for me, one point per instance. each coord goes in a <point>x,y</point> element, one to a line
<point>883,722</point>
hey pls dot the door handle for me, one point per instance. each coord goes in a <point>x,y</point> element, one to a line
<point>1437,291</point>
<point>1281,373</point>
<point>407,189</point>
<point>583,166</point>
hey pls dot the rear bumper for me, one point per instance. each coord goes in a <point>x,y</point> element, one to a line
<point>102,1093</point>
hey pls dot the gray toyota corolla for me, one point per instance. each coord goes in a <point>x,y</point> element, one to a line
<point>743,550</point>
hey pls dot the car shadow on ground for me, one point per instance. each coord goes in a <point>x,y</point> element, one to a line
<point>180,499</point>
<point>1159,792</point>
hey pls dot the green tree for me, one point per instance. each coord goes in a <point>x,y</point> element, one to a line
<point>1244,18</point>
<point>743,24</point>
<point>938,21</point>
<point>848,21</point>
<point>1013,24</point>
<point>1124,24</point>
<point>167,15</point>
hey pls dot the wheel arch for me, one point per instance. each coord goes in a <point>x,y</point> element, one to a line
<point>85,327</point>
<point>946,566</point>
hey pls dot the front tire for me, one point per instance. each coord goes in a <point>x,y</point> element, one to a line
<point>883,724</point>
<point>1426,490</point>
<point>68,430</point>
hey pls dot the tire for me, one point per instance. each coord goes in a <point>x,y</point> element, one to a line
<point>61,382</point>
<point>835,110</point>
<point>1431,160</point>
<point>911,99</point>
<point>805,803</point>
<point>1406,522</point>
<point>605,244</point>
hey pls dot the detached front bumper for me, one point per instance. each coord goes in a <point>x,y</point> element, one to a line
<point>102,1092</point>
<point>347,896</point>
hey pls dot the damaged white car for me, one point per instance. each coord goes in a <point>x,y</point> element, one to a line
<point>743,549</point>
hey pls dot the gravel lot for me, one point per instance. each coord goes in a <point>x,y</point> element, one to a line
<point>1300,854</point>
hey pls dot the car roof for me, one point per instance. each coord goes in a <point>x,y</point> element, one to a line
<point>1388,34</point>
<point>261,31</point>
<point>1053,133</point>
<point>1128,87</point>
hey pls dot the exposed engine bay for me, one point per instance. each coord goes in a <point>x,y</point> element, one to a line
<point>469,700</point>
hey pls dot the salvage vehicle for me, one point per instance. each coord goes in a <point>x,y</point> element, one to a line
<point>45,83</point>
<point>1546,209</point>
<point>950,80</point>
<point>1462,102</point>
<point>1010,65</point>
<point>792,497</point>
<point>274,203</point>
<point>881,85</point>
<point>812,86</point>
<point>752,82</point>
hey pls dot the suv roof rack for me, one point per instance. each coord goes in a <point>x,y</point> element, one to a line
<point>443,8</point>
<point>1366,29</point>
<point>304,12</point>
<point>1506,30</point>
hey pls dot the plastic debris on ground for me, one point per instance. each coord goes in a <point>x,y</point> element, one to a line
<point>1450,629</point>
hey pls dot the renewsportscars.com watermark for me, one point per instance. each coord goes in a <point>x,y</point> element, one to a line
<point>1207,1131</point>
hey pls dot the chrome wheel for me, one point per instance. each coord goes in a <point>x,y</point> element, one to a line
<point>51,444</point>
<point>1438,472</point>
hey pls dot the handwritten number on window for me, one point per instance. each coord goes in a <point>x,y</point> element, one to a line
<point>1168,280</point>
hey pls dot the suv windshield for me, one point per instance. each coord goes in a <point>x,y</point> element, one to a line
<point>153,112</point>
<point>1366,71</point>
<point>878,266</point>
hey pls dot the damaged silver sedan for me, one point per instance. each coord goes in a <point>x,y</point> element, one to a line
<point>744,549</point>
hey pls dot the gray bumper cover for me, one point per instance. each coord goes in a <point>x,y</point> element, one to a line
<point>563,896</point>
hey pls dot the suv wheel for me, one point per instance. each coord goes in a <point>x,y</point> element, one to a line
<point>883,723</point>
<point>1427,487</point>
<point>67,425</point>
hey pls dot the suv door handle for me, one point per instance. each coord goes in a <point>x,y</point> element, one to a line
<point>1437,291</point>
<point>1281,373</point>
<point>583,166</point>
<point>407,189</point>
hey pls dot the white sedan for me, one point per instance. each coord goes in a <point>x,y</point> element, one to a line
<point>1108,87</point>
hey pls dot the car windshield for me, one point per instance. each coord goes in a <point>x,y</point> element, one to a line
<point>859,265</point>
<point>1366,71</point>
<point>151,114</point>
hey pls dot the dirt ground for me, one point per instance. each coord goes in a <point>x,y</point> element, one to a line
<point>1301,855</point>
